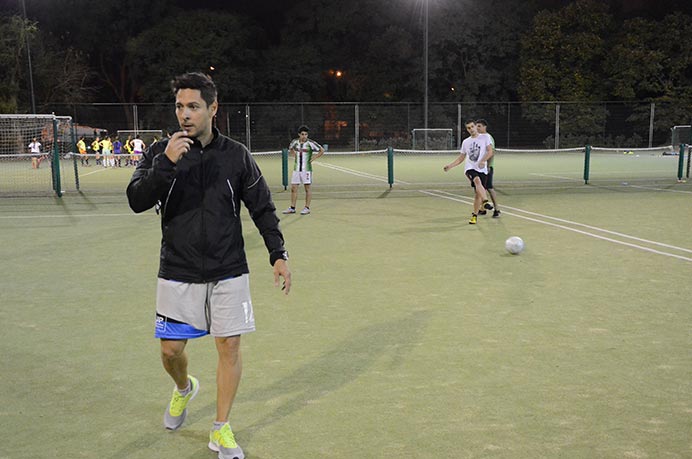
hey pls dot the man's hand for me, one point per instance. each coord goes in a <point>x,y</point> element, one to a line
<point>178,145</point>
<point>281,270</point>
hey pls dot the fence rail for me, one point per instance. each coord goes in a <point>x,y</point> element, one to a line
<point>364,126</point>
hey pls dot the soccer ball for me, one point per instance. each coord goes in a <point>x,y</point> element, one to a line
<point>514,245</point>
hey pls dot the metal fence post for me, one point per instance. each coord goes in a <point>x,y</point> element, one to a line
<point>247,128</point>
<point>651,125</point>
<point>557,126</point>
<point>681,161</point>
<point>357,126</point>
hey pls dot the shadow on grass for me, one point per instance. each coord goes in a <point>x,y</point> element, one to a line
<point>336,367</point>
<point>343,363</point>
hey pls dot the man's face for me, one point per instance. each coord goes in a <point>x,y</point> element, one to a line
<point>194,116</point>
<point>303,136</point>
<point>480,128</point>
<point>471,128</point>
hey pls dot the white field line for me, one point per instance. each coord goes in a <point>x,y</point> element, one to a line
<point>452,197</point>
<point>103,169</point>
<point>359,173</point>
<point>18,217</point>
<point>572,179</point>
<point>659,189</point>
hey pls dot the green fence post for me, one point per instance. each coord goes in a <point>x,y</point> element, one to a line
<point>284,168</point>
<point>587,162</point>
<point>75,152</point>
<point>390,166</point>
<point>56,160</point>
<point>681,161</point>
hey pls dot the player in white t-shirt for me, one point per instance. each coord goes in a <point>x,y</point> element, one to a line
<point>474,150</point>
<point>482,127</point>
<point>35,149</point>
<point>138,147</point>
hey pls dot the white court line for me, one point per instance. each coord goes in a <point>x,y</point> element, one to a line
<point>359,173</point>
<point>452,197</point>
<point>659,189</point>
<point>131,214</point>
<point>103,169</point>
<point>595,228</point>
<point>558,177</point>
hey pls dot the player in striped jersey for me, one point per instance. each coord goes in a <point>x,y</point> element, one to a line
<point>305,151</point>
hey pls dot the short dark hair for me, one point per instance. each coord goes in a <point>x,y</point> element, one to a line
<point>469,122</point>
<point>303,128</point>
<point>196,80</point>
<point>481,121</point>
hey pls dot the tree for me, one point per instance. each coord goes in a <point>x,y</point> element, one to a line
<point>13,38</point>
<point>61,75</point>
<point>226,51</point>
<point>561,61</point>
<point>100,30</point>
<point>652,61</point>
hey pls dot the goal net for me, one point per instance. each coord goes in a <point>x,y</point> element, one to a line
<point>432,139</point>
<point>35,154</point>
<point>148,136</point>
<point>680,135</point>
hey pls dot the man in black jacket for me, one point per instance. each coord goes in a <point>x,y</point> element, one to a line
<point>198,178</point>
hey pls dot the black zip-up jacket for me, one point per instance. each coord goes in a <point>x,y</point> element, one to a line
<point>200,200</point>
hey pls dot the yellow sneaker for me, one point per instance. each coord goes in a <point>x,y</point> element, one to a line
<point>223,442</point>
<point>474,219</point>
<point>176,412</point>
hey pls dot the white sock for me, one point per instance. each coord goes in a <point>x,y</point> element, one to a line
<point>187,390</point>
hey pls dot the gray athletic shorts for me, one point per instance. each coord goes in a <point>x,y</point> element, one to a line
<point>222,308</point>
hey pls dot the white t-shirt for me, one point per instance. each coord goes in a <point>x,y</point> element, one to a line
<point>137,145</point>
<point>35,147</point>
<point>476,148</point>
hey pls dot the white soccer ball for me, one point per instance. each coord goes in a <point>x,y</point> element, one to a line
<point>514,245</point>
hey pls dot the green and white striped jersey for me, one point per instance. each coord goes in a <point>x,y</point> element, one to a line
<point>304,152</point>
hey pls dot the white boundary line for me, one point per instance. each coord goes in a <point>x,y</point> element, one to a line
<point>465,200</point>
<point>131,214</point>
<point>359,173</point>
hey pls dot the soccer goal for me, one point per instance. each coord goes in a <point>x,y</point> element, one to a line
<point>679,135</point>
<point>35,154</point>
<point>148,136</point>
<point>432,139</point>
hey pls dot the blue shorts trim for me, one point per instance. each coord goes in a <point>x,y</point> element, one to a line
<point>175,330</point>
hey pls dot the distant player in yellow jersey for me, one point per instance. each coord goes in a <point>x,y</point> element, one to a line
<point>96,148</point>
<point>82,149</point>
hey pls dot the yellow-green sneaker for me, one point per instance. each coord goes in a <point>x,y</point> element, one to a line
<point>176,412</point>
<point>223,442</point>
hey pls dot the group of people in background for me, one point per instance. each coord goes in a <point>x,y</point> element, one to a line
<point>110,152</point>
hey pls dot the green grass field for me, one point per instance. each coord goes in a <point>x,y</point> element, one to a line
<point>407,332</point>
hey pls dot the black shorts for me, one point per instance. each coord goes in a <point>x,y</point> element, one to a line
<point>488,184</point>
<point>473,173</point>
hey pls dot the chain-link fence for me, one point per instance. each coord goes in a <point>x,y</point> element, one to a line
<point>365,126</point>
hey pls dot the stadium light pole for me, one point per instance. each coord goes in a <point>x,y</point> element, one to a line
<point>28,55</point>
<point>425,71</point>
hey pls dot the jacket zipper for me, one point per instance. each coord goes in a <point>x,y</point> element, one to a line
<point>203,231</point>
<point>232,197</point>
<point>168,196</point>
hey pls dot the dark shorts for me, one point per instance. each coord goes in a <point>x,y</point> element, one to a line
<point>488,184</point>
<point>473,173</point>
